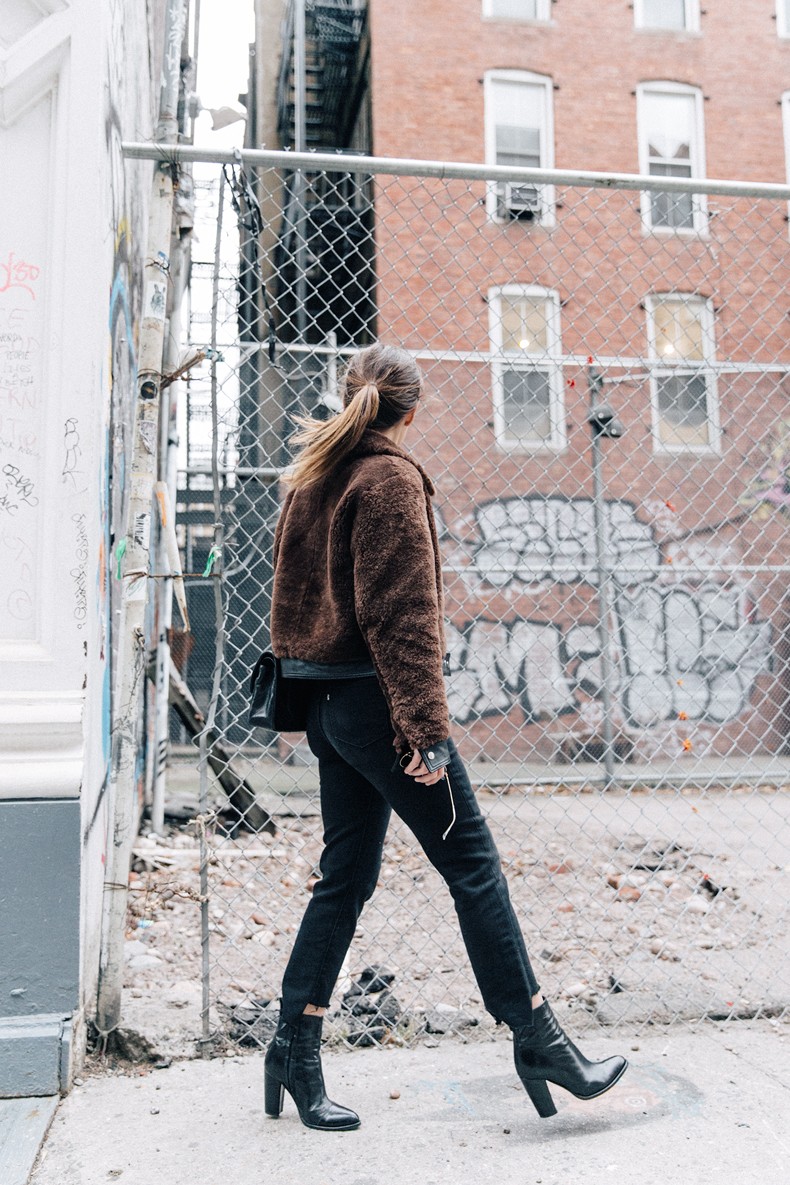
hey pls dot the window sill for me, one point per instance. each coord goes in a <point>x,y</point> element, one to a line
<point>674,454</point>
<point>516,20</point>
<point>649,31</point>
<point>670,232</point>
<point>546,223</point>
<point>532,449</point>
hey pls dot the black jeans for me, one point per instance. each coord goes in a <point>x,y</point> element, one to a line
<point>349,731</point>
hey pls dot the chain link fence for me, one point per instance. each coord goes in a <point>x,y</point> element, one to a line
<point>607,373</point>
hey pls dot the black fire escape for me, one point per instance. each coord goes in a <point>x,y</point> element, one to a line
<point>319,298</point>
<point>324,289</point>
<point>336,66</point>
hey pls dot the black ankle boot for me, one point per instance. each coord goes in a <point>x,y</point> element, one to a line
<point>543,1053</point>
<point>293,1063</point>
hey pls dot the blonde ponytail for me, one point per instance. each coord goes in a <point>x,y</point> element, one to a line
<point>325,443</point>
<point>380,386</point>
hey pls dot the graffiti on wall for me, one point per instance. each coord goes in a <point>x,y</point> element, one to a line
<point>533,664</point>
<point>20,443</point>
<point>678,647</point>
<point>695,650</point>
<point>769,490</point>
<point>124,294</point>
<point>552,539</point>
<point>15,273</point>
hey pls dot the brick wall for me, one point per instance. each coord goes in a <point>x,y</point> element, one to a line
<point>439,253</point>
<point>429,56</point>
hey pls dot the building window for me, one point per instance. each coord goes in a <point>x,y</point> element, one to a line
<point>517,10</point>
<point>671,144</point>
<point>681,16</point>
<point>783,18</point>
<point>683,385</point>
<point>519,131</point>
<point>526,367</point>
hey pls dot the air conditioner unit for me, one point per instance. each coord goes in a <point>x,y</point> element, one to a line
<point>521,200</point>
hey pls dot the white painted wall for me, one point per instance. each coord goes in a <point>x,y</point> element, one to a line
<point>75,78</point>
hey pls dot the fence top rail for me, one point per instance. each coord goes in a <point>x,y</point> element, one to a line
<point>394,166</point>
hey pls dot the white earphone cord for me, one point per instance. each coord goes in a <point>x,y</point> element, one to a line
<point>452,803</point>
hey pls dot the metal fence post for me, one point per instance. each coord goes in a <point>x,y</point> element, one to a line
<point>217,573</point>
<point>603,424</point>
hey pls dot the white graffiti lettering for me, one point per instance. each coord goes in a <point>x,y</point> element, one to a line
<point>553,539</point>
<point>692,651</point>
<point>677,650</point>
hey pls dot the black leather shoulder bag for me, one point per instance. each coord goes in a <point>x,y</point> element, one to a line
<point>277,702</point>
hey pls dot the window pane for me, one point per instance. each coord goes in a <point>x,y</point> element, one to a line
<point>669,123</point>
<point>671,209</point>
<point>669,129</point>
<point>664,14</point>
<point>519,115</point>
<point>526,404</point>
<point>519,10</point>
<point>683,410</point>
<point>675,210</point>
<point>682,154</point>
<point>524,324</point>
<point>519,146</point>
<point>678,330</point>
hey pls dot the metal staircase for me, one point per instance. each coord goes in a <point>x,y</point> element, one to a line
<point>335,34</point>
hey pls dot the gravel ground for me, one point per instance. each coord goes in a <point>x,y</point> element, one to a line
<point>638,907</point>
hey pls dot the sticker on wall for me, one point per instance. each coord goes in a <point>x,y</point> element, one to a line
<point>155,300</point>
<point>137,588</point>
<point>148,435</point>
<point>142,530</point>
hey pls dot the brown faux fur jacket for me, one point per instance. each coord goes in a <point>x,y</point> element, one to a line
<point>357,575</point>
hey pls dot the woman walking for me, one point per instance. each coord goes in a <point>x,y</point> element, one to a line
<point>358,610</point>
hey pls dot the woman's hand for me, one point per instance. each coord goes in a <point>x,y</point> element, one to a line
<point>417,769</point>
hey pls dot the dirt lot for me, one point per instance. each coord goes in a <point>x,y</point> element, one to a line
<point>638,907</point>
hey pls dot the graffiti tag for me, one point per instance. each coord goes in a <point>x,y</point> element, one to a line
<point>73,452</point>
<point>19,490</point>
<point>692,650</point>
<point>537,539</point>
<point>677,650</point>
<point>15,273</point>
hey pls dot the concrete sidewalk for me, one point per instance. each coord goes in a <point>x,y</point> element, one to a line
<point>710,1106</point>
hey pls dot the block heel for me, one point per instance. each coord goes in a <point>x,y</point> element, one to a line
<point>293,1063</point>
<point>543,1053</point>
<point>540,1096</point>
<point>274,1092</point>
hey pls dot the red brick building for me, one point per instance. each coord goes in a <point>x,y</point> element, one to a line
<point>430,59</point>
<point>526,302</point>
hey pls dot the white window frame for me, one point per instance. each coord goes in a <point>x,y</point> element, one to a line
<point>697,157</point>
<point>542,13</point>
<point>659,367</point>
<point>546,192</point>
<point>691,25</point>
<point>551,360</point>
<point>782,19</point>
